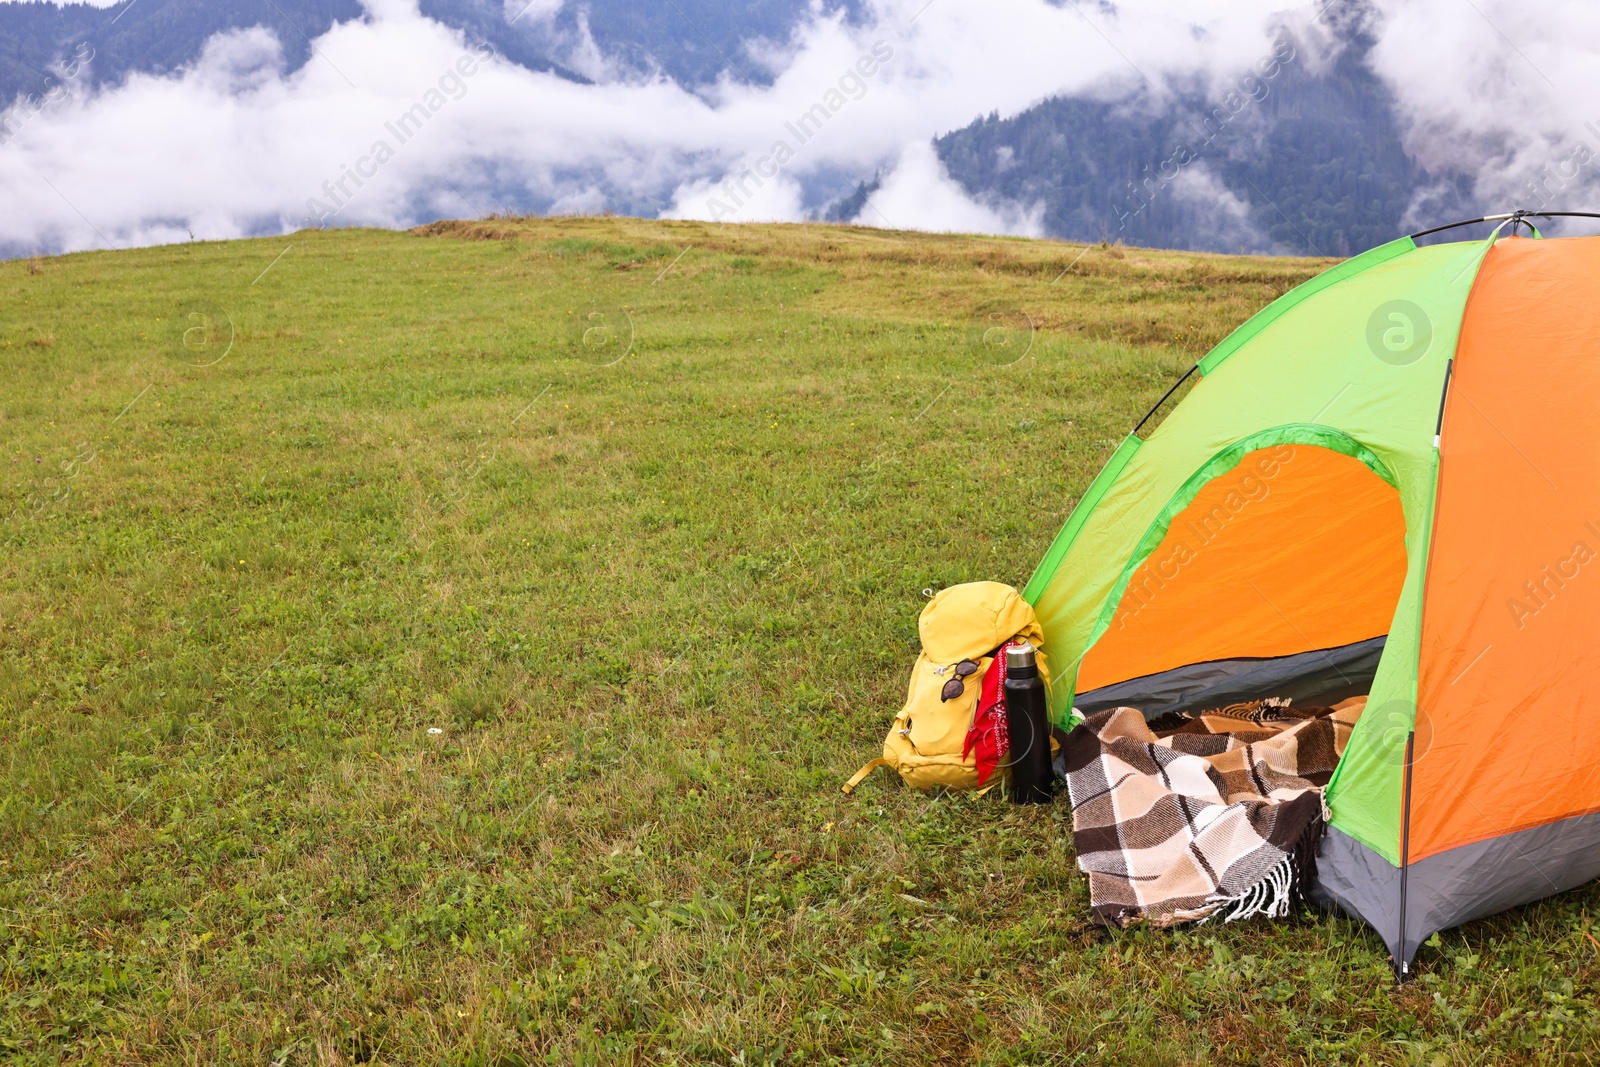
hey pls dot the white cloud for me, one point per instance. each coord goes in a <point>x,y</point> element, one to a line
<point>235,145</point>
<point>918,194</point>
<point>1520,95</point>
<point>778,199</point>
<point>1226,214</point>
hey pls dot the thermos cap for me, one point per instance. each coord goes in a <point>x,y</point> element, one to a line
<point>1019,656</point>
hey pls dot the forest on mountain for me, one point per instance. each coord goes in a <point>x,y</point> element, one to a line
<point>692,41</point>
<point>1307,161</point>
<point>1302,155</point>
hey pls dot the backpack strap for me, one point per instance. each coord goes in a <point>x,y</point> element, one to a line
<point>860,776</point>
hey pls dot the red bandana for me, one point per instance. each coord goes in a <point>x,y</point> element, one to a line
<point>987,738</point>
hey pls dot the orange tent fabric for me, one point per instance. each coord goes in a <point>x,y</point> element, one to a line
<point>1297,548</point>
<point>1510,652</point>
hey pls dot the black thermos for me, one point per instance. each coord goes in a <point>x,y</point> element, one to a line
<point>1028,723</point>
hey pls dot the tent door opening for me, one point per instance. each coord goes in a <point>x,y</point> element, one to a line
<point>1279,578</point>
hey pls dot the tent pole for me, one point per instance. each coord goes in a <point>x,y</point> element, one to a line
<point>1513,216</point>
<point>1402,965</point>
<point>1402,968</point>
<point>1167,396</point>
<point>1444,393</point>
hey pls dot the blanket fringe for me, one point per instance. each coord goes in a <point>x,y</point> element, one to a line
<point>1271,897</point>
<point>1257,711</point>
<point>1280,889</point>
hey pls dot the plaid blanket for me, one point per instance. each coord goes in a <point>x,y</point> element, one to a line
<point>1194,816</point>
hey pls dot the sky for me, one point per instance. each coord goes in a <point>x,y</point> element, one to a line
<point>235,145</point>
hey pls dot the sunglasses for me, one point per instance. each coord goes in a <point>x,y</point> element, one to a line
<point>957,685</point>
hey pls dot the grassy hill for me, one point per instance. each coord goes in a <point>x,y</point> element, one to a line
<point>446,648</point>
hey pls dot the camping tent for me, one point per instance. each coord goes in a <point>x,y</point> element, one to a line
<point>1386,482</point>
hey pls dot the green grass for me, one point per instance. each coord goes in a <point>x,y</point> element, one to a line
<point>644,539</point>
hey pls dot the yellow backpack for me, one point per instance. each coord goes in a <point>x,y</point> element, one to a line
<point>965,622</point>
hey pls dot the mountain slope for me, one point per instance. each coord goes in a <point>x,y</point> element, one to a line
<point>692,41</point>
<point>1302,156</point>
<point>150,36</point>
<point>1307,160</point>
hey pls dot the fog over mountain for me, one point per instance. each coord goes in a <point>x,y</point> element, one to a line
<point>1236,125</point>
